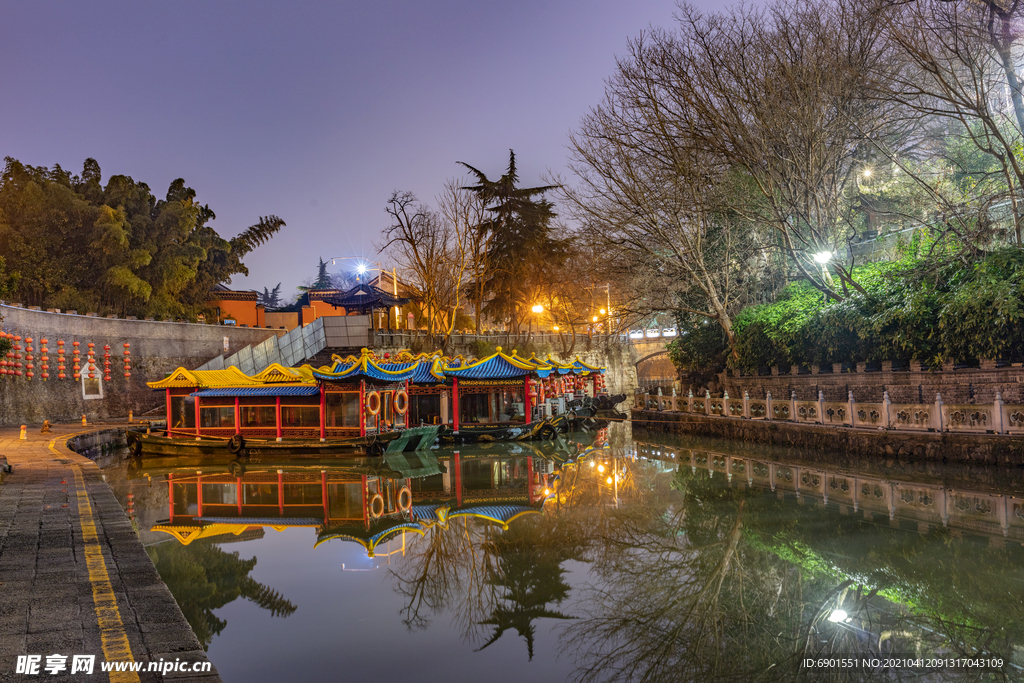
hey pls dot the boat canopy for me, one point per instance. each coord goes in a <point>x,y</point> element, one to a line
<point>367,366</point>
<point>497,366</point>
<point>420,369</point>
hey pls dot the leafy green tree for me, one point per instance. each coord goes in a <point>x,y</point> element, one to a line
<point>521,249</point>
<point>145,257</point>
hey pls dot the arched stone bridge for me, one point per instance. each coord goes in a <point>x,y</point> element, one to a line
<point>653,366</point>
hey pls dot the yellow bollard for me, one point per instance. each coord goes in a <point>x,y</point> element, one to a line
<point>84,423</point>
<point>129,414</point>
<point>22,437</point>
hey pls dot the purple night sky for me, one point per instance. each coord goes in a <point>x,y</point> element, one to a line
<point>311,111</point>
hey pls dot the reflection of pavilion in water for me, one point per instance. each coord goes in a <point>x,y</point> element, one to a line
<point>996,515</point>
<point>366,500</point>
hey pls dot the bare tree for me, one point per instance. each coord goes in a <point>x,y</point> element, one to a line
<point>432,250</point>
<point>775,95</point>
<point>960,71</point>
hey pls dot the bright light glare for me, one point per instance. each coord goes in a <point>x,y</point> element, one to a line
<point>537,309</point>
<point>600,468</point>
<point>837,616</point>
<point>555,328</point>
<point>547,492</point>
<point>867,173</point>
<point>608,480</point>
<point>361,268</point>
<point>595,318</point>
<point>592,463</point>
<point>603,311</point>
<point>823,256</point>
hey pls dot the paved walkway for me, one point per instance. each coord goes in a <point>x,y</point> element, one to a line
<point>74,577</point>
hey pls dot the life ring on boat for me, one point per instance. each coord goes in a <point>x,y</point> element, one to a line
<point>376,506</point>
<point>404,499</point>
<point>401,402</point>
<point>235,444</point>
<point>373,403</point>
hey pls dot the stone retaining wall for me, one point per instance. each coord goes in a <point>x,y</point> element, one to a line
<point>946,447</point>
<point>156,349</point>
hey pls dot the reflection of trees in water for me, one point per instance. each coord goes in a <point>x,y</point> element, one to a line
<point>528,577</point>
<point>718,583</point>
<point>202,578</point>
<point>490,580</point>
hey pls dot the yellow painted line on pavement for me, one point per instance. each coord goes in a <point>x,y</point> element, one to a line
<point>112,634</point>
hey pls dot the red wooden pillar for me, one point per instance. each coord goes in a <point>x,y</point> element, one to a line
<point>199,496</point>
<point>458,480</point>
<point>197,418</point>
<point>238,416</point>
<point>323,413</point>
<point>366,515</point>
<point>169,424</point>
<point>170,493</point>
<point>323,494</point>
<point>540,393</point>
<point>526,399</point>
<point>408,485</point>
<point>529,479</point>
<point>455,404</point>
<point>362,408</point>
<point>408,407</point>
<point>278,411</point>
<point>238,494</point>
<point>280,492</point>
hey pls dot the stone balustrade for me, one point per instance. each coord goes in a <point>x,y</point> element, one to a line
<point>987,418</point>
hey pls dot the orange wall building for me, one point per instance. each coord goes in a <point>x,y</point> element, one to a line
<point>240,306</point>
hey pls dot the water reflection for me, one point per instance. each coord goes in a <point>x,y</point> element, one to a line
<point>703,560</point>
<point>204,578</point>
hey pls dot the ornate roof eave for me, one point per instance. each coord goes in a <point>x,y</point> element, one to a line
<point>183,378</point>
<point>520,367</point>
<point>365,366</point>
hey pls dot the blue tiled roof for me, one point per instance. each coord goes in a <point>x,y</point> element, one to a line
<point>305,390</point>
<point>495,367</point>
<point>503,514</point>
<point>367,368</point>
<point>581,368</point>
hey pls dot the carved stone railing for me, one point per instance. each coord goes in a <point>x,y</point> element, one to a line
<point>980,418</point>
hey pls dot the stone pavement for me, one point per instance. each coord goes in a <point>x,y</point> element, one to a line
<point>74,577</point>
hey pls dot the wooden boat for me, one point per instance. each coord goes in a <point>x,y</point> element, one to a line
<point>412,439</point>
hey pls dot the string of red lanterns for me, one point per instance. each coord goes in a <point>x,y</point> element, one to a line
<point>11,365</point>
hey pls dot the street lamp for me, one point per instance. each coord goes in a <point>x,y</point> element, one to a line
<point>363,266</point>
<point>822,258</point>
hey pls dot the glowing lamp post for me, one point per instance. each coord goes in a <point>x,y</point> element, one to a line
<point>822,258</point>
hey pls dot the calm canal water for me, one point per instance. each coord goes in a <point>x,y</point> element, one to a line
<point>653,559</point>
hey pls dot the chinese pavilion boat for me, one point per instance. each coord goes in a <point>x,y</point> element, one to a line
<point>365,405</point>
<point>360,409</point>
